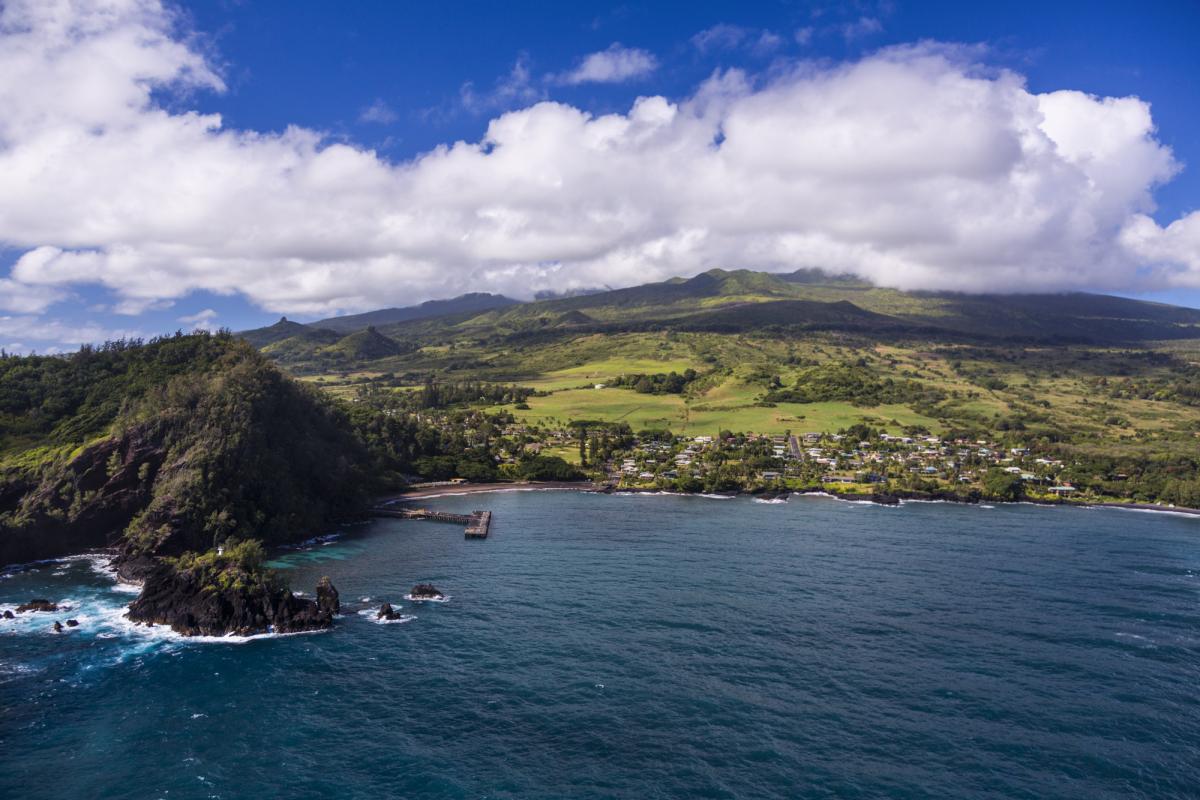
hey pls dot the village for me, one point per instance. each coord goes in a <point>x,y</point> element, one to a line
<point>858,460</point>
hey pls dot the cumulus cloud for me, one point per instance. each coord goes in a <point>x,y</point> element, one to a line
<point>914,167</point>
<point>614,65</point>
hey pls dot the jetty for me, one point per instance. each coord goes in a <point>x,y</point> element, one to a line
<point>477,523</point>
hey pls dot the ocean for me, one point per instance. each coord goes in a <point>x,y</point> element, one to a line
<point>645,647</point>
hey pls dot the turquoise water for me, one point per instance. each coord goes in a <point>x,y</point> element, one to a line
<point>648,647</point>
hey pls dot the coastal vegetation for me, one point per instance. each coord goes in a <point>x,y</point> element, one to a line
<point>187,453</point>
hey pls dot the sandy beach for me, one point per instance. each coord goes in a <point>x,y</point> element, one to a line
<point>447,490</point>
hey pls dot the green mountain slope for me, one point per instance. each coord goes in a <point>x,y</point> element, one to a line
<point>171,446</point>
<point>474,302</point>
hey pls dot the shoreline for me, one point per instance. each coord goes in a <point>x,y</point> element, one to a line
<point>453,490</point>
<point>431,492</point>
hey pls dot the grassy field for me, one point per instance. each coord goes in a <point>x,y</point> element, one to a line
<point>1043,388</point>
<point>703,416</point>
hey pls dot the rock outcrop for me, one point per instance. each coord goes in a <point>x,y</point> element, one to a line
<point>327,598</point>
<point>37,605</point>
<point>425,591</point>
<point>387,612</point>
<point>193,602</point>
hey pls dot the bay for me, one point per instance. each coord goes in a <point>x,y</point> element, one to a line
<point>646,647</point>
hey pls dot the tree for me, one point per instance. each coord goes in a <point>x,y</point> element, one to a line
<point>1001,485</point>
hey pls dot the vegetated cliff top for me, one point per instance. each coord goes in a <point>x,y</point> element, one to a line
<point>164,447</point>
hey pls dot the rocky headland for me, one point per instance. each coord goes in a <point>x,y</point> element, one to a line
<point>229,592</point>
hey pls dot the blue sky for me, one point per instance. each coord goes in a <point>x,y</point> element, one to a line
<point>401,79</point>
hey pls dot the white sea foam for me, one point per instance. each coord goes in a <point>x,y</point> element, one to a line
<point>628,493</point>
<point>101,564</point>
<point>443,599</point>
<point>845,500</point>
<point>1167,511</point>
<point>372,615</point>
<point>774,501</point>
<point>308,544</point>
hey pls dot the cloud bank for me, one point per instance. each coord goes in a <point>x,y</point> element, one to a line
<point>914,167</point>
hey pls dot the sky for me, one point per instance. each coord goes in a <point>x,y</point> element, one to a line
<point>221,163</point>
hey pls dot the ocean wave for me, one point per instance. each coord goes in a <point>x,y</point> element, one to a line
<point>774,501</point>
<point>101,564</point>
<point>845,500</point>
<point>663,493</point>
<point>443,599</point>
<point>104,617</point>
<point>371,615</point>
<point>1167,511</point>
<point>308,544</point>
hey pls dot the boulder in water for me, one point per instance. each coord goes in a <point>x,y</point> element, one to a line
<point>37,605</point>
<point>425,591</point>
<point>72,623</point>
<point>57,626</point>
<point>387,612</point>
<point>8,614</point>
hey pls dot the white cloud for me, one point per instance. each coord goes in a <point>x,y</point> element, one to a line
<point>202,320</point>
<point>378,112</point>
<point>25,299</point>
<point>913,167</point>
<point>54,335</point>
<point>614,65</point>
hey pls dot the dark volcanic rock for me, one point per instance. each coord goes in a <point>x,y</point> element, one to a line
<point>387,612</point>
<point>57,626</point>
<point>425,591</point>
<point>72,623</point>
<point>180,599</point>
<point>37,605</point>
<point>327,598</point>
<point>8,614</point>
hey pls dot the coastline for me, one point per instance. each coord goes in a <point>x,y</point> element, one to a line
<point>454,490</point>
<point>891,499</point>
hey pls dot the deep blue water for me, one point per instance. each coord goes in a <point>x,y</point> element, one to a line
<point>649,647</point>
